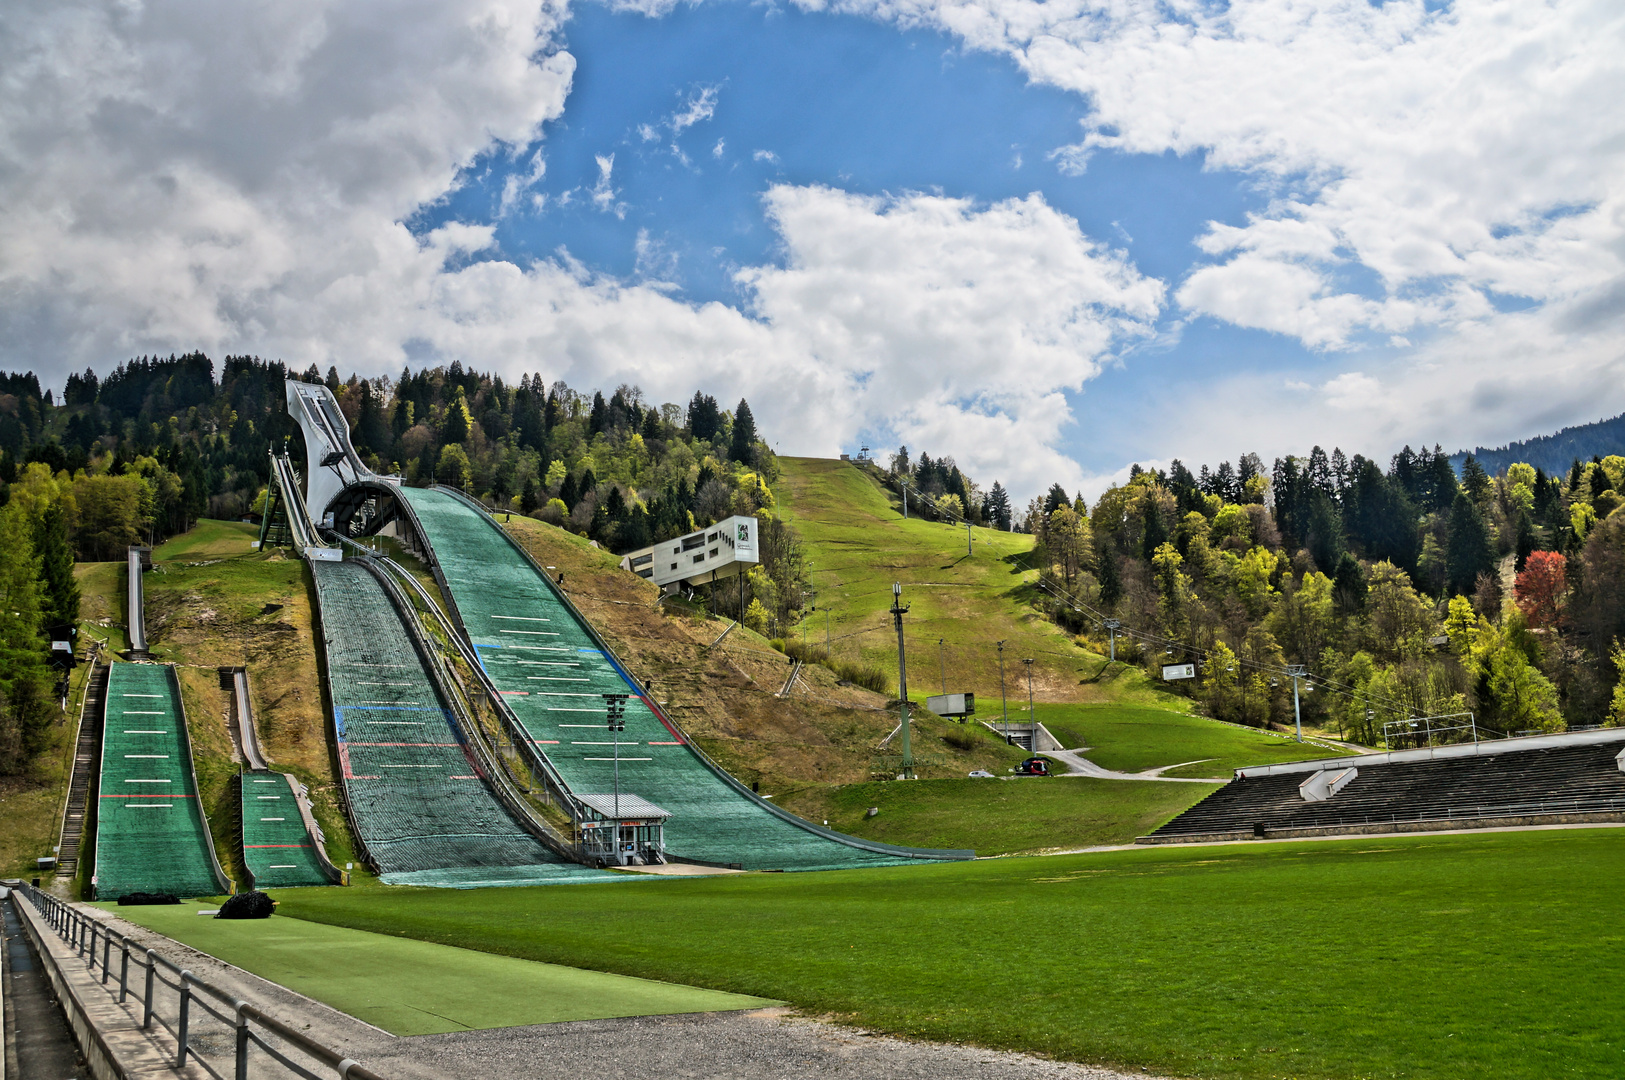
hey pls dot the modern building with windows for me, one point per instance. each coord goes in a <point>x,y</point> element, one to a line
<point>699,557</point>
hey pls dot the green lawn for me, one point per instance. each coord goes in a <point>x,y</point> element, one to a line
<point>997,817</point>
<point>857,544</point>
<point>1425,957</point>
<point>209,539</point>
<point>412,987</point>
<point>1129,738</point>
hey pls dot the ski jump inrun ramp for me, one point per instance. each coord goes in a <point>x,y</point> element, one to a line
<point>548,664</point>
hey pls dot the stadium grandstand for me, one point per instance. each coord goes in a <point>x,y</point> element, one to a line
<point>1543,779</point>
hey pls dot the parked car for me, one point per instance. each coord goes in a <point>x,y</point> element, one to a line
<point>981,774</point>
<point>1033,766</point>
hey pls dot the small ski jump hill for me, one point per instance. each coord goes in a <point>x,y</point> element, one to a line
<point>410,771</point>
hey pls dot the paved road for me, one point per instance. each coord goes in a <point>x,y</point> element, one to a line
<point>38,1043</point>
<point>1078,765</point>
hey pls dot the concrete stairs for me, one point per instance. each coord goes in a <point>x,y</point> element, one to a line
<point>87,757</point>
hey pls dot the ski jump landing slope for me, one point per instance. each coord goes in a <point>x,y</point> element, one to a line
<point>421,806</point>
<point>552,671</point>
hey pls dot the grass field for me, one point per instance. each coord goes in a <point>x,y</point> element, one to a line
<point>857,544</point>
<point>412,987</point>
<point>998,817</point>
<point>1128,738</point>
<point>1423,957</point>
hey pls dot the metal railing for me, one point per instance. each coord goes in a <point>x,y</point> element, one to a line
<point>122,959</point>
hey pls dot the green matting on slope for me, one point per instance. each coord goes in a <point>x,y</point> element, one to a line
<point>276,848</point>
<point>418,988</point>
<point>150,833</point>
<point>552,673</point>
<point>420,803</point>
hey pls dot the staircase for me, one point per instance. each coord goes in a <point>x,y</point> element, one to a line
<point>86,760</point>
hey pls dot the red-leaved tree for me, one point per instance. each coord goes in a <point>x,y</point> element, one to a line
<point>1541,587</point>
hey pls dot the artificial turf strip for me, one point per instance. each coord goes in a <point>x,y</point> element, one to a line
<point>412,987</point>
<point>1491,954</point>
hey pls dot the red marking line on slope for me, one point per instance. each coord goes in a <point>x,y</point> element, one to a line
<point>661,717</point>
<point>403,744</point>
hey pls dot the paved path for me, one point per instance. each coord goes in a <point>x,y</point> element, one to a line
<point>1078,765</point>
<point>37,1043</point>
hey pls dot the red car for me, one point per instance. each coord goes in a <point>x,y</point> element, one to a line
<point>1034,766</point>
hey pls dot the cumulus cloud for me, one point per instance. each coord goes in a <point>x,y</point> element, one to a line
<point>1447,157</point>
<point>175,178</point>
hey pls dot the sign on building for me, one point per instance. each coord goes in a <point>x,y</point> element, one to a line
<point>1170,672</point>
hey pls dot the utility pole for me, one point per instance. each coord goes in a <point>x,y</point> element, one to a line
<point>942,663</point>
<point>1032,718</point>
<point>1004,700</point>
<point>1112,626</point>
<point>904,485</point>
<point>897,612</point>
<point>968,549</point>
<point>1297,671</point>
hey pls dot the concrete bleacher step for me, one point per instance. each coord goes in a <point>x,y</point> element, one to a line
<point>1548,782</point>
<point>86,758</point>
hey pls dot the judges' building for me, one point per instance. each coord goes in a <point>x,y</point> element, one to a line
<point>698,558</point>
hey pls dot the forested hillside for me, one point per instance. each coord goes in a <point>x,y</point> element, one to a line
<point>140,455</point>
<point>1554,453</point>
<point>1402,592</point>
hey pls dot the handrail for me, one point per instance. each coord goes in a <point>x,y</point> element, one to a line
<point>82,933</point>
<point>723,774</point>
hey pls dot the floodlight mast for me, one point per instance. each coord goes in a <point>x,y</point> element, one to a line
<point>1297,671</point>
<point>1112,626</point>
<point>1032,718</point>
<point>897,612</point>
<point>1004,699</point>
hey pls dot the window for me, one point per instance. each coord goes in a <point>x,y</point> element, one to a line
<point>713,553</point>
<point>674,566</point>
<point>643,560</point>
<point>692,542</point>
<point>700,557</point>
<point>711,539</point>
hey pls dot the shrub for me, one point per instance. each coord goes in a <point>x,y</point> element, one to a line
<point>963,737</point>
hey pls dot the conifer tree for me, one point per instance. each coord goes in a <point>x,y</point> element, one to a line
<point>744,435</point>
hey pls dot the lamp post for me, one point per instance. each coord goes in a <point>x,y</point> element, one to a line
<point>1032,719</point>
<point>1297,671</point>
<point>1004,700</point>
<point>897,612</point>
<point>615,707</point>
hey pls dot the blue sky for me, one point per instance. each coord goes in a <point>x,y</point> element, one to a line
<point>1050,241</point>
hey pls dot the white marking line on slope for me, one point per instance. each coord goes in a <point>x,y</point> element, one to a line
<point>143,731</point>
<point>273,819</point>
<point>617,759</point>
<point>142,695</point>
<point>521,618</point>
<point>553,678</point>
<point>532,633</point>
<point>143,712</point>
<point>146,755</point>
<point>149,781</point>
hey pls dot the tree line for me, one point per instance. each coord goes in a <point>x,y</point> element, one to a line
<point>1404,591</point>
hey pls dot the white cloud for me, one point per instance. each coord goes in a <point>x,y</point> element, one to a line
<point>701,106</point>
<point>1446,157</point>
<point>177,179</point>
<point>765,155</point>
<point>718,149</point>
<point>603,194</point>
